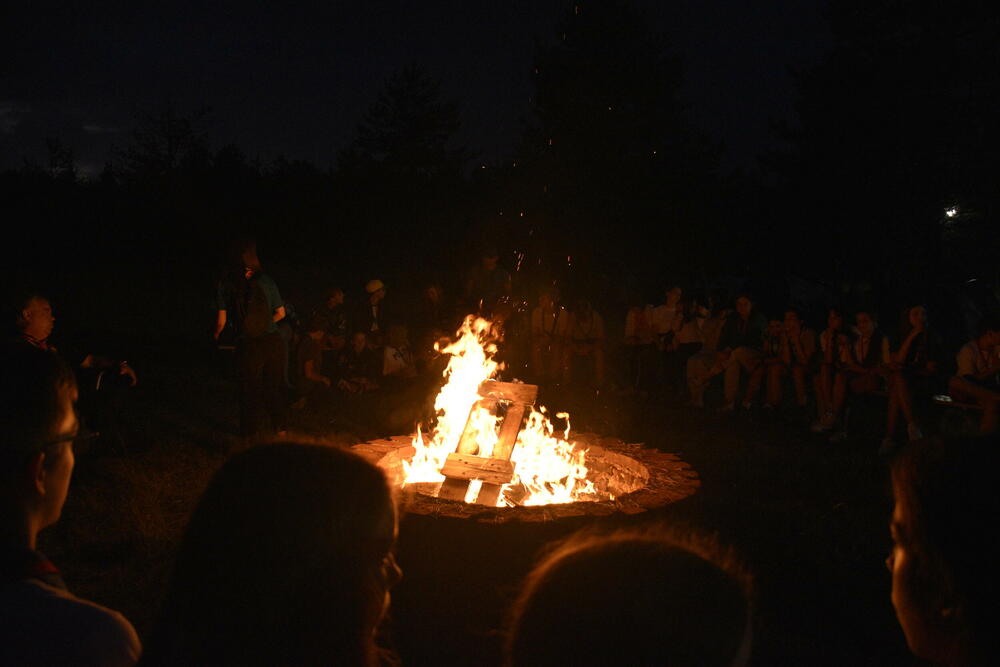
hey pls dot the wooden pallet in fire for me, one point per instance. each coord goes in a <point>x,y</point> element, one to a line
<point>463,465</point>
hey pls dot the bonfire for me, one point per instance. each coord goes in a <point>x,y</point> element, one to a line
<point>546,465</point>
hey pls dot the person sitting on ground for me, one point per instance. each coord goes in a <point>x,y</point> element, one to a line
<point>372,318</point>
<point>633,598</point>
<point>430,311</point>
<point>335,313</point>
<point>863,367</point>
<point>585,341</point>
<point>42,623</point>
<point>640,348</point>
<point>740,347</point>
<point>770,359</point>
<point>103,382</point>
<point>913,373</point>
<point>705,364</point>
<point>549,328</point>
<point>287,560</point>
<point>977,378</point>
<point>944,554</point>
<point>310,384</point>
<point>357,369</point>
<point>398,365</point>
<point>833,343</point>
<point>798,351</point>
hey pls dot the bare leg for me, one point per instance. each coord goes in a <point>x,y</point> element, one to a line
<point>774,373</point>
<point>753,384</point>
<point>799,378</point>
<point>839,393</point>
<point>988,400</point>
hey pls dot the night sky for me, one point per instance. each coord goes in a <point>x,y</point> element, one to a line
<point>295,81</point>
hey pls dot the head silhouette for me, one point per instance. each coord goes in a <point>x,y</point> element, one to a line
<point>287,560</point>
<point>632,598</point>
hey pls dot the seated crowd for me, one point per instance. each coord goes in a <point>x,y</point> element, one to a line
<point>299,571</point>
<point>695,342</point>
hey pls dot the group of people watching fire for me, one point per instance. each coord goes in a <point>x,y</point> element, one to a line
<point>689,342</point>
<point>347,348</point>
<point>299,569</point>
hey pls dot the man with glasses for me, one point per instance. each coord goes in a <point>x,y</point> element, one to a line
<point>40,621</point>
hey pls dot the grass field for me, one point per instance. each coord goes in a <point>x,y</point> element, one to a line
<point>809,518</point>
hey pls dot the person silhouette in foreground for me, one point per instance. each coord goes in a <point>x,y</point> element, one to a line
<point>632,598</point>
<point>41,623</point>
<point>944,555</point>
<point>288,560</point>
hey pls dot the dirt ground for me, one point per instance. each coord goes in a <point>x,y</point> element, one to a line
<point>809,518</point>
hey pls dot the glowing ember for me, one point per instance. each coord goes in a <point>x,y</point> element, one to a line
<point>547,467</point>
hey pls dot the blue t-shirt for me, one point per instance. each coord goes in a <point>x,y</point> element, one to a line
<point>226,295</point>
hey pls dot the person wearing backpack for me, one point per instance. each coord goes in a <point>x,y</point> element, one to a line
<point>249,299</point>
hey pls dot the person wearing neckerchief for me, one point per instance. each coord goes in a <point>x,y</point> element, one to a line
<point>41,622</point>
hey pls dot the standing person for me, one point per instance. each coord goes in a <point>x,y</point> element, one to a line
<point>249,299</point>
<point>979,371</point>
<point>41,622</point>
<point>740,347</point>
<point>945,552</point>
<point>295,572</point>
<point>103,382</point>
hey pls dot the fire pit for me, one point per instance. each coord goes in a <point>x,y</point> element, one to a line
<point>629,479</point>
<point>492,454</point>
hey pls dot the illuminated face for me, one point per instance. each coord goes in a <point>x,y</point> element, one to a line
<point>545,301</point>
<point>918,614</point>
<point>335,299</point>
<point>774,328</point>
<point>743,307</point>
<point>673,295</point>
<point>490,263</point>
<point>37,318</point>
<point>359,341</point>
<point>835,320</point>
<point>865,323</point>
<point>918,316</point>
<point>792,320</point>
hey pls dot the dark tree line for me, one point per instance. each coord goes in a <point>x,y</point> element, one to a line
<point>890,174</point>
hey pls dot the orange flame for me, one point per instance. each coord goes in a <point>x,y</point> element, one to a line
<point>547,467</point>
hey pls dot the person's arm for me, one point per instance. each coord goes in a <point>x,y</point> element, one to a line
<point>904,348</point>
<point>220,324</point>
<point>279,314</point>
<point>103,363</point>
<point>309,370</point>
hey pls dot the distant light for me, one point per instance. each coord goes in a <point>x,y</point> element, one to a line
<point>951,212</point>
